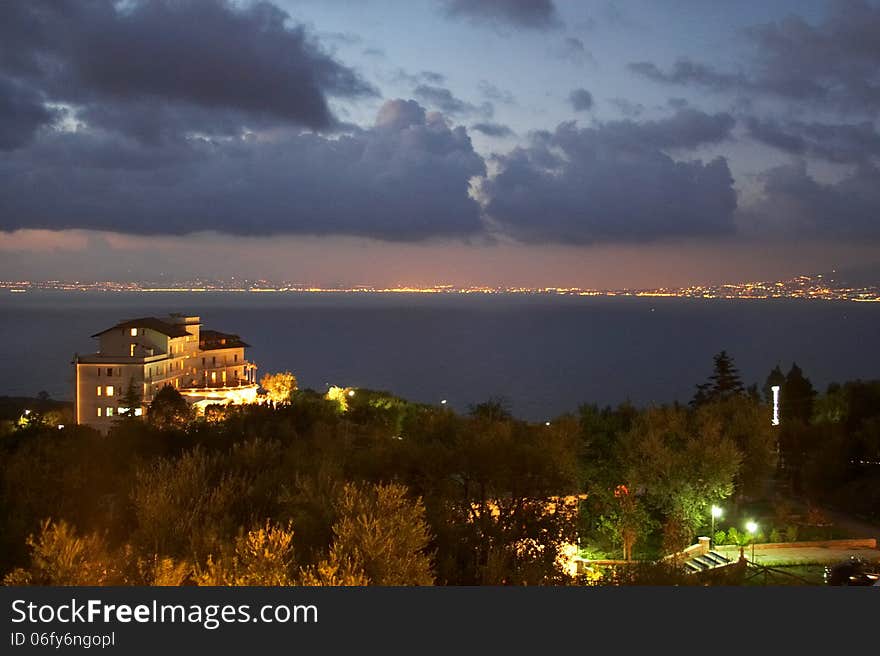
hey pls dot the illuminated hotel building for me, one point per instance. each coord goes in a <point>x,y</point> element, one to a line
<point>205,366</point>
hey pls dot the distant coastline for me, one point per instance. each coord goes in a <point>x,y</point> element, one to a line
<point>816,287</point>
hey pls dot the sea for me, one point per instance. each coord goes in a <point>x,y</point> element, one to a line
<point>543,355</point>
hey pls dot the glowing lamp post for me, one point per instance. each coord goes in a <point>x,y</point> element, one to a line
<point>716,512</point>
<point>775,390</point>
<point>752,528</point>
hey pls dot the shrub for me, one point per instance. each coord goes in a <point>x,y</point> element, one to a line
<point>720,537</point>
<point>791,533</point>
<point>775,535</point>
<point>733,536</point>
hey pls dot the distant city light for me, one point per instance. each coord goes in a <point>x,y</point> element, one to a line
<point>351,392</point>
<point>546,423</point>
<point>27,412</point>
<point>60,426</point>
<point>443,402</point>
<point>775,390</point>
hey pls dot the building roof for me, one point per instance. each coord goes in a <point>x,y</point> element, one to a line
<point>210,340</point>
<point>169,329</point>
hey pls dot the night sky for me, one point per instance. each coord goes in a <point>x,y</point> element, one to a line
<point>516,142</point>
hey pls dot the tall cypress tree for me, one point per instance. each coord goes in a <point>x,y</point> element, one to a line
<point>799,395</point>
<point>775,377</point>
<point>722,384</point>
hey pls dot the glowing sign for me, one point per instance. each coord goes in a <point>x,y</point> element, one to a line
<point>775,390</point>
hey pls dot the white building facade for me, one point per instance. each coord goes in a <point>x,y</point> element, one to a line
<point>205,366</point>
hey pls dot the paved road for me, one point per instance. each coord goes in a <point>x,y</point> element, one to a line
<point>799,555</point>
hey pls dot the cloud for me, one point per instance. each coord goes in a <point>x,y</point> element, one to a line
<point>795,204</point>
<point>573,50</point>
<point>839,143</point>
<point>404,179</point>
<point>529,14</point>
<point>426,77</point>
<point>493,129</point>
<point>613,182</point>
<point>686,71</point>
<point>628,108</point>
<point>213,66</point>
<point>495,94</point>
<point>22,113</point>
<point>581,100</point>
<point>445,101</point>
<point>834,64</point>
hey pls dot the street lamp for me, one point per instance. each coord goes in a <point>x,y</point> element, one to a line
<point>752,528</point>
<point>716,512</point>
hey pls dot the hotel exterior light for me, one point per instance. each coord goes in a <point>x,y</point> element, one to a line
<point>775,390</point>
<point>351,392</point>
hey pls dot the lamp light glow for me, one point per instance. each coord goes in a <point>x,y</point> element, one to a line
<point>775,390</point>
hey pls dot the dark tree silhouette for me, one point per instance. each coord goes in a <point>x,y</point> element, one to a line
<point>131,400</point>
<point>722,384</point>
<point>799,396</point>
<point>775,377</point>
<point>169,409</point>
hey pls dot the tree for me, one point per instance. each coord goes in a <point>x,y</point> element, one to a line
<point>383,533</point>
<point>495,409</point>
<point>774,379</point>
<point>279,386</point>
<point>722,384</point>
<point>683,464</point>
<point>264,556</point>
<point>131,400</point>
<point>799,396</point>
<point>169,409</point>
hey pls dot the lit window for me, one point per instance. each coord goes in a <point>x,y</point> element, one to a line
<point>134,332</point>
<point>131,350</point>
<point>138,412</point>
<point>213,376</point>
<point>224,376</point>
<point>99,390</point>
<point>108,391</point>
<point>109,412</point>
<point>99,411</point>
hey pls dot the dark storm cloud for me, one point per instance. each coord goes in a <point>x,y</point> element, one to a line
<point>794,203</point>
<point>834,64</point>
<point>493,129</point>
<point>840,143</point>
<point>22,113</point>
<point>687,128</point>
<point>444,100</point>
<point>581,100</point>
<point>613,182</point>
<point>213,65</point>
<point>532,14</point>
<point>405,178</point>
